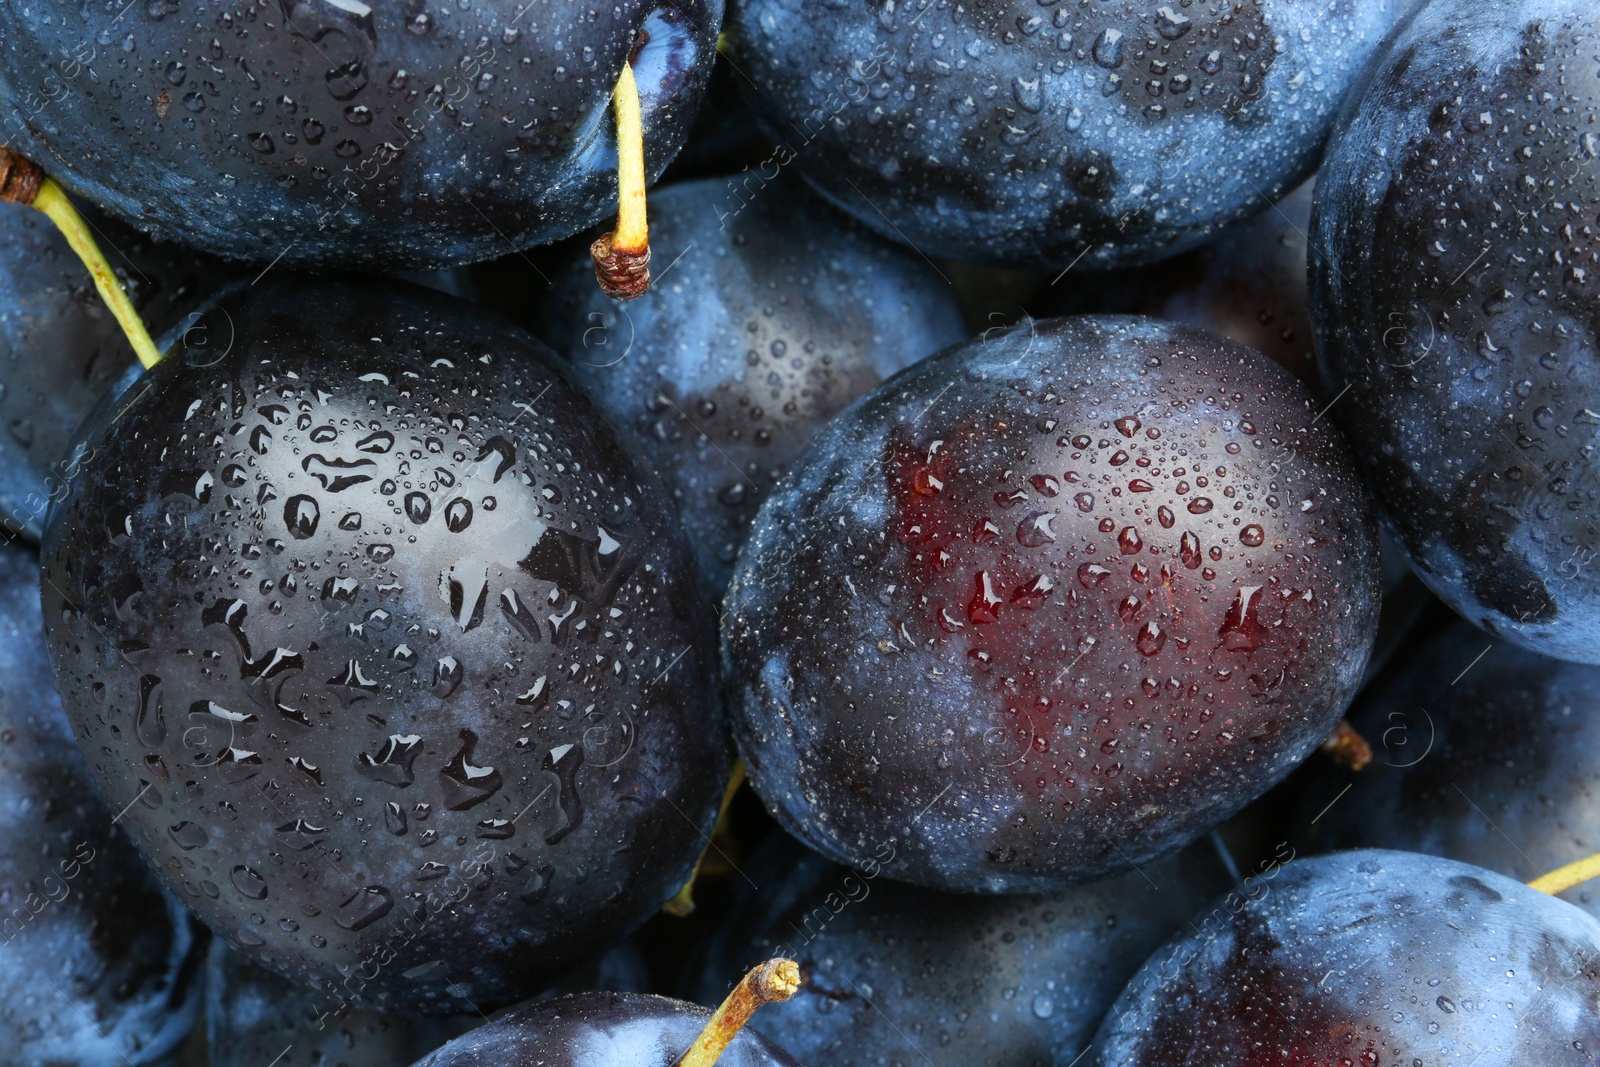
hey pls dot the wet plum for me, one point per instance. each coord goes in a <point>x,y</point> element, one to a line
<point>60,349</point>
<point>898,974</point>
<point>776,313</point>
<point>99,966</point>
<point>1484,753</point>
<point>600,1030</point>
<point>407,664</point>
<point>1015,133</point>
<point>1369,959</point>
<point>1049,604</point>
<point>1248,283</point>
<point>1455,282</point>
<point>346,134</point>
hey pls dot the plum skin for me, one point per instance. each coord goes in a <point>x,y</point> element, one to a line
<point>895,972</point>
<point>1050,604</point>
<point>600,1030</point>
<point>1455,273</point>
<point>1012,133</point>
<point>386,137</point>
<point>81,911</point>
<point>418,675</point>
<point>1485,753</point>
<point>775,314</point>
<point>1370,958</point>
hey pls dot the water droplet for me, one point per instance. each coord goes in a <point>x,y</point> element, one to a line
<point>466,785</point>
<point>1108,49</point>
<point>364,907</point>
<point>187,835</point>
<point>249,883</point>
<point>301,515</point>
<point>1170,24</point>
<point>1035,530</point>
<point>1151,638</point>
<point>1189,550</point>
<point>985,604</point>
<point>447,675</point>
<point>392,762</point>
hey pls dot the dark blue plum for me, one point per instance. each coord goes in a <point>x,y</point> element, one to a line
<point>1051,603</point>
<point>1368,959</point>
<point>99,966</point>
<point>1247,283</point>
<point>408,661</point>
<point>1016,133</point>
<point>769,316</point>
<point>1455,282</point>
<point>1485,753</point>
<point>385,136</point>
<point>898,974</point>
<point>60,349</point>
<point>600,1030</point>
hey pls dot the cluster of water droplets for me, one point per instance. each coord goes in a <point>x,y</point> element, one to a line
<point>380,623</point>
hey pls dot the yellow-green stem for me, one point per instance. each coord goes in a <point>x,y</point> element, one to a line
<point>774,980</point>
<point>52,200</point>
<point>632,230</point>
<point>1563,878</point>
<point>622,257</point>
<point>682,905</point>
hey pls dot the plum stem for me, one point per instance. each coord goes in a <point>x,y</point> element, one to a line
<point>1563,878</point>
<point>53,202</point>
<point>23,182</point>
<point>772,981</point>
<point>622,257</point>
<point>682,905</point>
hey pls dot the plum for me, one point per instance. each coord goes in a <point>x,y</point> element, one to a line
<point>59,347</point>
<point>99,966</point>
<point>1368,959</point>
<point>895,973</point>
<point>1050,604</point>
<point>1484,753</point>
<point>632,1029</point>
<point>1015,133</point>
<point>775,314</point>
<point>1455,286</point>
<point>386,136</point>
<point>1247,283</point>
<point>406,662</point>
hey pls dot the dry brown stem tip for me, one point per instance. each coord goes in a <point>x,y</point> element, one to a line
<point>1347,747</point>
<point>623,273</point>
<point>20,177</point>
